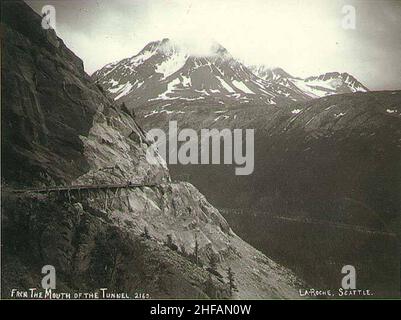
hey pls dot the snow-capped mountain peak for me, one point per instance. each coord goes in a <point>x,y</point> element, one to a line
<point>267,73</point>
<point>339,81</point>
<point>315,86</point>
<point>169,70</point>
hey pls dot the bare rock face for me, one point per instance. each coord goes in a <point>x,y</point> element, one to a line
<point>48,103</point>
<point>59,128</point>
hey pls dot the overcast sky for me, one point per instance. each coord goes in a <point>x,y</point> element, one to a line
<point>304,37</point>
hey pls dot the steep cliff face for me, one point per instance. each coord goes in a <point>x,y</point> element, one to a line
<point>60,129</point>
<point>48,102</point>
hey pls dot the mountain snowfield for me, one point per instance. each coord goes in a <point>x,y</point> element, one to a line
<point>316,86</point>
<point>164,70</point>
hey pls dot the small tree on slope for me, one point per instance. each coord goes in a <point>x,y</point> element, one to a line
<point>231,281</point>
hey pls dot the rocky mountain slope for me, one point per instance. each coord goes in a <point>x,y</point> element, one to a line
<point>58,128</point>
<point>166,71</point>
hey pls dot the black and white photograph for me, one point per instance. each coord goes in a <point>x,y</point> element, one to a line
<point>204,150</point>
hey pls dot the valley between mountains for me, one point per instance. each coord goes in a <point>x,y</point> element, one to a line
<point>327,179</point>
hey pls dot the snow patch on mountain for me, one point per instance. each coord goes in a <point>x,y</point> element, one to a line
<point>170,89</point>
<point>164,70</point>
<point>172,64</point>
<point>240,85</point>
<point>225,85</point>
<point>310,90</point>
<point>140,58</point>
<point>124,90</point>
<point>186,81</point>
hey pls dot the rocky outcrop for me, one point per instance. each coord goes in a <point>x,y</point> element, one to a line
<point>60,129</point>
<point>90,250</point>
<point>48,102</point>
